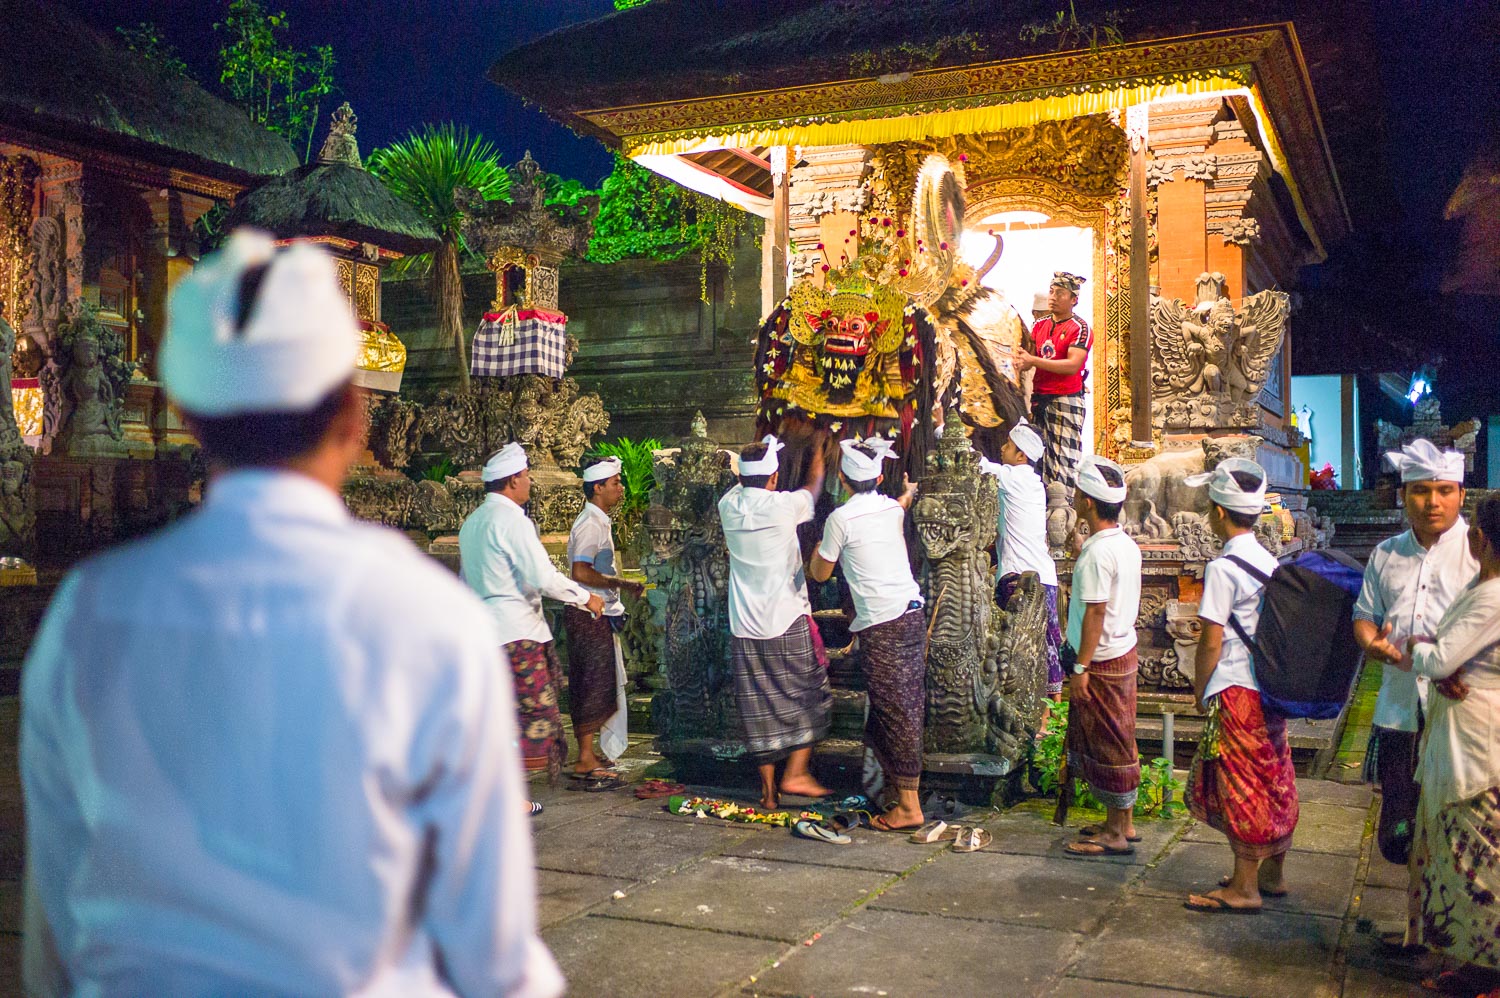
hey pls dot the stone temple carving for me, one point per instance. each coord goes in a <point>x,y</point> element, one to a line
<point>1062,518</point>
<point>17,508</point>
<point>1210,361</point>
<point>689,566</point>
<point>1427,424</point>
<point>985,672</point>
<point>91,379</point>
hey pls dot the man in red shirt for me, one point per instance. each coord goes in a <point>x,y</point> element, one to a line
<point>1062,342</point>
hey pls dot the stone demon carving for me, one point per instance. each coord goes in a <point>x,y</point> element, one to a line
<point>91,381</point>
<point>17,511</point>
<point>550,417</point>
<point>689,567</point>
<point>985,671</point>
<point>1210,361</point>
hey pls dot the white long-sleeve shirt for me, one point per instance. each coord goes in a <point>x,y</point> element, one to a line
<point>502,559</point>
<point>1411,587</point>
<point>1461,745</point>
<point>272,750</point>
<point>1023,523</point>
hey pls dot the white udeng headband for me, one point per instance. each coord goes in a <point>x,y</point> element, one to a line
<point>506,461</point>
<point>1421,461</point>
<point>1093,484</point>
<point>601,470</point>
<point>1224,490</point>
<point>1026,440</point>
<point>767,465</point>
<point>857,467</point>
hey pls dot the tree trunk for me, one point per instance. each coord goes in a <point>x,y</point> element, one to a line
<point>447,285</point>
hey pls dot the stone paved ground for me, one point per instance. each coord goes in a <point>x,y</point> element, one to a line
<point>712,908</point>
<point>717,909</point>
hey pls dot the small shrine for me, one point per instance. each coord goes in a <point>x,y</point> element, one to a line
<point>335,202</point>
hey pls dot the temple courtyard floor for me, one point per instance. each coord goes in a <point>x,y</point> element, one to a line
<point>635,901</point>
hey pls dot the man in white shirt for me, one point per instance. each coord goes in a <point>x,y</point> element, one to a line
<point>1102,608</point>
<point>596,665</point>
<point>867,535</point>
<point>1410,580</point>
<point>268,750</point>
<point>502,559</point>
<point>781,690</point>
<point>1022,540</point>
<point>1243,783</point>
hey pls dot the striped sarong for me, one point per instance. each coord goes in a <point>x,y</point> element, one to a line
<point>538,676</point>
<point>1103,752</point>
<point>895,666</point>
<point>1061,420</point>
<point>1249,790</point>
<point>592,698</point>
<point>781,692</point>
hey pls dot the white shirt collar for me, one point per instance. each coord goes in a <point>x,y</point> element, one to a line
<point>276,490</point>
<point>503,500</point>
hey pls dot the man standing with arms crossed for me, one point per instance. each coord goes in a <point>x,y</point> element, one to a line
<point>782,692</point>
<point>271,750</point>
<point>1101,625</point>
<point>1410,580</point>
<point>502,559</point>
<point>596,673</point>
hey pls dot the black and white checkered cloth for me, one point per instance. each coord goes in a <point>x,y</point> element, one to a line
<point>539,345</point>
<point>1061,420</point>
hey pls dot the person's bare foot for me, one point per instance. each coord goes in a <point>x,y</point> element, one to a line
<point>804,786</point>
<point>1223,898</point>
<point>770,803</point>
<point>902,818</point>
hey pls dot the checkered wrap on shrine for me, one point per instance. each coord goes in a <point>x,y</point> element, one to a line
<point>520,341</point>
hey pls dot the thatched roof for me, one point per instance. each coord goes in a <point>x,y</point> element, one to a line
<point>333,199</point>
<point>63,79</point>
<point>335,196</point>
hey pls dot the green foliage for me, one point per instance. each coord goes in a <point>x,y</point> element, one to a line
<point>645,215</point>
<point>440,470</point>
<point>1072,33</point>
<point>1160,795</point>
<point>210,227</point>
<point>278,86</point>
<point>627,4</point>
<point>910,56</point>
<point>146,41</point>
<point>427,168</point>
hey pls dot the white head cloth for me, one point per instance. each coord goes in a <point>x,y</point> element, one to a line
<point>1093,484</point>
<point>767,465</point>
<point>1026,440</point>
<point>858,468</point>
<point>1041,302</point>
<point>298,343</point>
<point>1421,461</point>
<point>1224,490</point>
<point>508,460</point>
<point>601,470</point>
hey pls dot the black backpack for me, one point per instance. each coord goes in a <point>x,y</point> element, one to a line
<point>1306,658</point>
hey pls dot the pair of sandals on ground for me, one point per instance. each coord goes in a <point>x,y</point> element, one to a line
<point>835,829</point>
<point>600,778</point>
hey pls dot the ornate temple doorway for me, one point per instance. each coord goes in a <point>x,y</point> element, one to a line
<point>1044,233</point>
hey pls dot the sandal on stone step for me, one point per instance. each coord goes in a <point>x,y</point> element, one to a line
<point>971,839</point>
<point>935,831</point>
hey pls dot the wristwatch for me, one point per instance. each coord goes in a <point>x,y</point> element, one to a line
<point>1079,668</point>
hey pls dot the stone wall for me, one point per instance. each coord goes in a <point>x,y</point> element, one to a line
<point>652,350</point>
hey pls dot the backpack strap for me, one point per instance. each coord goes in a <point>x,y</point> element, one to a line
<point>1250,569</point>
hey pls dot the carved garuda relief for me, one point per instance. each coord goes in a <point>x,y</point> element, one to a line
<point>1210,361</point>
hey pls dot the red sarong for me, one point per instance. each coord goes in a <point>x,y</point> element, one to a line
<point>538,677</point>
<point>1104,754</point>
<point>1250,791</point>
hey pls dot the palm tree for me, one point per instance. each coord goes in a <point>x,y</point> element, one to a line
<point>426,169</point>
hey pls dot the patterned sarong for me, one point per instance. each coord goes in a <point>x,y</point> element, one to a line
<point>538,676</point>
<point>894,657</point>
<point>1103,752</point>
<point>1003,590</point>
<point>1249,791</point>
<point>1457,859</point>
<point>1061,420</point>
<point>781,691</point>
<point>592,698</point>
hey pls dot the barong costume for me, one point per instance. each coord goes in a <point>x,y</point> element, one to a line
<point>1022,540</point>
<point>867,536</point>
<point>1456,855</point>
<point>782,693</point>
<point>1242,780</point>
<point>1103,752</point>
<point>1409,587</point>
<point>596,662</point>
<point>1058,405</point>
<point>502,559</point>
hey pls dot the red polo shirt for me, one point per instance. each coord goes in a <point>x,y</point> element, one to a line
<point>1052,340</point>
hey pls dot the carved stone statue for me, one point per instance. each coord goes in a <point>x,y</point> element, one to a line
<point>1427,424</point>
<point>1210,361</point>
<point>985,671</point>
<point>1159,506</point>
<point>689,566</point>
<point>1061,519</point>
<point>17,510</point>
<point>92,386</point>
